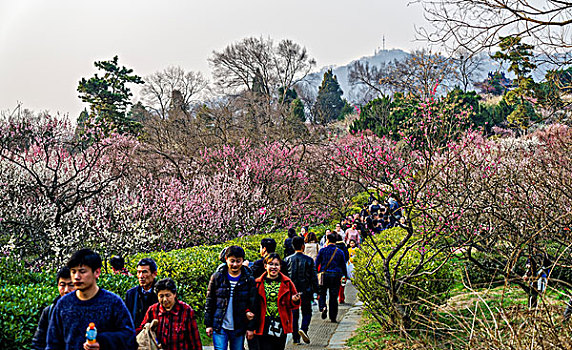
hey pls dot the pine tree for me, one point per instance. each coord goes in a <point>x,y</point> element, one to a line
<point>109,98</point>
<point>520,56</point>
<point>329,103</point>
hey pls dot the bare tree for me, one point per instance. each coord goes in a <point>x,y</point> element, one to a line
<point>475,25</point>
<point>422,74</point>
<point>260,65</point>
<point>468,67</point>
<point>171,89</point>
<point>364,74</point>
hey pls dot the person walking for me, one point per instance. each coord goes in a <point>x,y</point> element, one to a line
<point>267,246</point>
<point>176,321</point>
<point>276,298</point>
<point>89,304</point>
<point>302,272</point>
<point>344,248</point>
<point>352,234</point>
<point>230,303</point>
<point>332,263</point>
<point>139,299</point>
<point>118,266</point>
<point>65,286</point>
<point>288,249</point>
<point>311,246</point>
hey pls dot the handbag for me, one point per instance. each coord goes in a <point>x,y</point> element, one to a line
<point>147,339</point>
<point>321,273</point>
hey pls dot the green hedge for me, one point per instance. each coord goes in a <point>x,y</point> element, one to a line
<point>24,294</point>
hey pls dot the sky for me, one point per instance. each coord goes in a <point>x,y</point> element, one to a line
<point>47,46</point>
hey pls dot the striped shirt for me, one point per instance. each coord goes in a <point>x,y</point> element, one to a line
<point>228,321</point>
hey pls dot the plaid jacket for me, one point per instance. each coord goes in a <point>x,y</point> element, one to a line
<point>177,329</point>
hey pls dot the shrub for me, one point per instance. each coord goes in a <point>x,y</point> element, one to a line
<point>419,294</point>
<point>24,294</point>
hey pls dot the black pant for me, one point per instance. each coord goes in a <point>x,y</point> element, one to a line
<point>306,307</point>
<point>253,343</point>
<point>331,285</point>
<point>268,342</point>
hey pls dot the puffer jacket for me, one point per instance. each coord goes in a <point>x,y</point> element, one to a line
<point>302,272</point>
<point>218,295</point>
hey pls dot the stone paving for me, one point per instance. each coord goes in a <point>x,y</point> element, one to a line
<point>327,335</point>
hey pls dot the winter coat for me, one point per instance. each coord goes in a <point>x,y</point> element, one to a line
<point>218,295</point>
<point>285,303</point>
<point>302,272</point>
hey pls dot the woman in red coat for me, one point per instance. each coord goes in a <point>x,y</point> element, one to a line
<point>277,297</point>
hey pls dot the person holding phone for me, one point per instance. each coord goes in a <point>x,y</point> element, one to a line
<point>276,298</point>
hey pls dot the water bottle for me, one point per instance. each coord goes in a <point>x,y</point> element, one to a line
<point>91,333</point>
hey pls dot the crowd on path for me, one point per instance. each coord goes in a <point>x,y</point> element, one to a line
<point>259,303</point>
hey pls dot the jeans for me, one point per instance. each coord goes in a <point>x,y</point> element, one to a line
<point>331,286</point>
<point>306,307</point>
<point>226,339</point>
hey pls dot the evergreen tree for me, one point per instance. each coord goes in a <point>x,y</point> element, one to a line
<point>519,55</point>
<point>329,103</point>
<point>81,120</point>
<point>297,110</point>
<point>109,98</point>
<point>496,83</point>
<point>286,97</point>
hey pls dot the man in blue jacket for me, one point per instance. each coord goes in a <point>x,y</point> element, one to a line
<point>75,311</point>
<point>331,261</point>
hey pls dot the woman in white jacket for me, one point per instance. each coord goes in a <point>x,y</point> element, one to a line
<point>311,245</point>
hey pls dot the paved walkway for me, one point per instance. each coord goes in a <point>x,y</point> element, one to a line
<point>325,334</point>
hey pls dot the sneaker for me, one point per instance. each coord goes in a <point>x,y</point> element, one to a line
<point>324,313</point>
<point>304,336</point>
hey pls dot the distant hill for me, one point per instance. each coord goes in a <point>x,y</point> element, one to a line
<point>313,80</point>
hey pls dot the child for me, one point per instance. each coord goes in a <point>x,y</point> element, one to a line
<point>352,250</point>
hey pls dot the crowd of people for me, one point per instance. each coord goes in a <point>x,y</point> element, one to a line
<point>259,303</point>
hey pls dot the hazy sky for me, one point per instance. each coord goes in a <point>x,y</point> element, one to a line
<point>47,46</point>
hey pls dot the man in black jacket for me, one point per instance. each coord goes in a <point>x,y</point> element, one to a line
<point>267,246</point>
<point>65,286</point>
<point>302,272</point>
<point>139,299</point>
<point>230,301</point>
